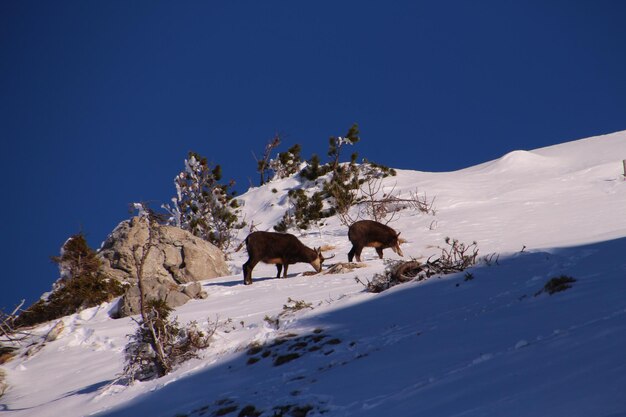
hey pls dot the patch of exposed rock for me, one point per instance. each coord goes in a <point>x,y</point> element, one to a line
<point>174,263</point>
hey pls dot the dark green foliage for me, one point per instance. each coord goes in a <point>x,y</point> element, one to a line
<point>336,143</point>
<point>282,226</point>
<point>205,206</point>
<point>283,359</point>
<point>314,170</point>
<point>379,170</point>
<point>344,181</point>
<point>301,411</point>
<point>287,163</point>
<point>225,410</point>
<point>305,210</point>
<point>77,258</point>
<point>82,285</point>
<point>558,284</point>
<point>254,350</point>
<point>253,360</point>
<point>340,187</point>
<point>249,411</point>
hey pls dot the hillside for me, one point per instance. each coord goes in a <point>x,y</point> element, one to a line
<point>494,345</point>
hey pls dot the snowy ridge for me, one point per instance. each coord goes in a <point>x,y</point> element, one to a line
<point>491,346</point>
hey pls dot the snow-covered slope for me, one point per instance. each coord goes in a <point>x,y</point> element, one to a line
<point>490,346</point>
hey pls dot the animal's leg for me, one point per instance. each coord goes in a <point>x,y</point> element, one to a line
<point>379,251</point>
<point>247,271</point>
<point>279,268</point>
<point>358,253</point>
<point>351,253</point>
<point>285,271</point>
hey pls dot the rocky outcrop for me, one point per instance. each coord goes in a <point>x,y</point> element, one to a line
<point>176,259</point>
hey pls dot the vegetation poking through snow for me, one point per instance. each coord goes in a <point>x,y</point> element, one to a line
<point>456,257</point>
<point>287,163</point>
<point>176,343</point>
<point>82,284</point>
<point>557,284</point>
<point>204,205</point>
<point>343,186</point>
<point>263,165</point>
<point>291,307</point>
<point>304,210</point>
<point>290,347</point>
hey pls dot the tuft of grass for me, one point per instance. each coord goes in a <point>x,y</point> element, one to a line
<point>301,411</point>
<point>557,284</point>
<point>249,411</point>
<point>283,359</point>
<point>254,349</point>
<point>253,360</point>
<point>225,410</point>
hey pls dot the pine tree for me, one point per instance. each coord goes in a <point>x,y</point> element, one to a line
<point>204,206</point>
<point>82,284</point>
<point>287,163</point>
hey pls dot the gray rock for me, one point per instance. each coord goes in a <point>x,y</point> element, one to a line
<point>177,257</point>
<point>155,290</point>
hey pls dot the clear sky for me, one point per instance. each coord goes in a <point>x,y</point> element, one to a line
<point>101,101</point>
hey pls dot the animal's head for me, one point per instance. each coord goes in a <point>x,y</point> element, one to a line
<point>319,260</point>
<point>395,246</point>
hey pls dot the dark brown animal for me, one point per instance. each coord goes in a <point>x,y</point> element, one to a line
<point>368,233</point>
<point>282,249</point>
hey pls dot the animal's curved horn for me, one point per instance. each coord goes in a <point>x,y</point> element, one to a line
<point>331,257</point>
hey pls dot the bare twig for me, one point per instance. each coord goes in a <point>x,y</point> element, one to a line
<point>263,164</point>
<point>6,324</point>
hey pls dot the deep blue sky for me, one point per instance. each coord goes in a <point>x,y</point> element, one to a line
<point>101,101</point>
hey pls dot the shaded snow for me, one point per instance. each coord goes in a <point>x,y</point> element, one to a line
<point>492,345</point>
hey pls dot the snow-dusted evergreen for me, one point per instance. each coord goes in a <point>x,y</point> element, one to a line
<point>492,343</point>
<point>203,205</point>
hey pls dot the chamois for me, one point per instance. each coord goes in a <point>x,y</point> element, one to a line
<point>368,233</point>
<point>282,249</point>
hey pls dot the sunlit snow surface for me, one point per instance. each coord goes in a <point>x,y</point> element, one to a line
<point>447,346</point>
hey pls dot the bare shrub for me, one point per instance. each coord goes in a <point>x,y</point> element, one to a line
<point>291,307</point>
<point>160,343</point>
<point>263,165</point>
<point>456,257</point>
<point>384,208</point>
<point>8,331</point>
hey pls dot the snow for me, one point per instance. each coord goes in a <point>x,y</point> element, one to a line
<point>493,345</point>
